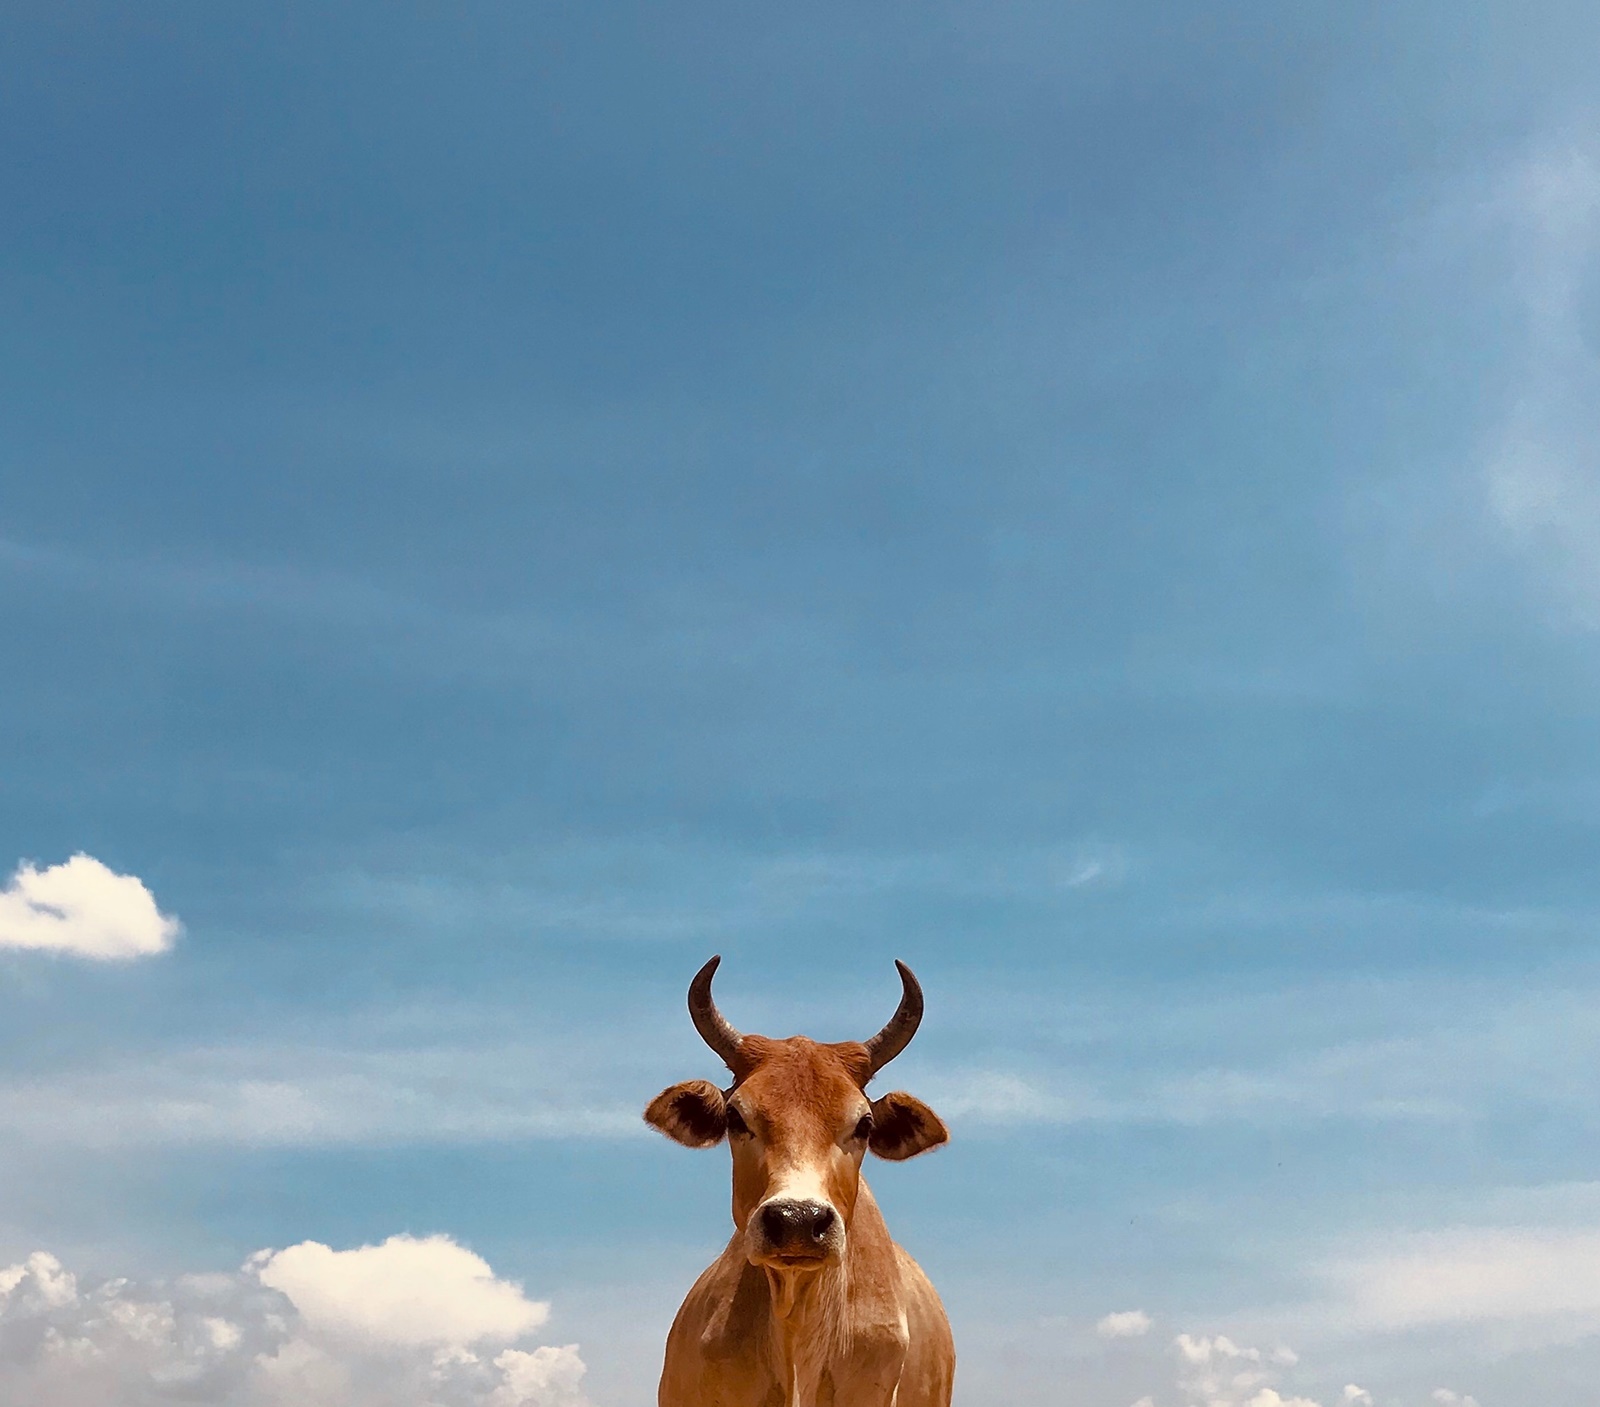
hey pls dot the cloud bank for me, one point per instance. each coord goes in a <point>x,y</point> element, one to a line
<point>83,909</point>
<point>419,1321</point>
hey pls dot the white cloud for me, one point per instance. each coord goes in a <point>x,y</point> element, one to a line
<point>1217,1372</point>
<point>235,1341</point>
<point>83,909</point>
<point>1124,1324</point>
<point>1446,1398</point>
<point>545,1375</point>
<point>1354,1396</point>
<point>408,1290</point>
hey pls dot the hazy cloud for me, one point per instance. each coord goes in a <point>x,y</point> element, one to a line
<point>1476,1275</point>
<point>83,909</point>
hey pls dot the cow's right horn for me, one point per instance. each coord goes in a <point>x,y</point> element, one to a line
<point>896,1036</point>
<point>714,1028</point>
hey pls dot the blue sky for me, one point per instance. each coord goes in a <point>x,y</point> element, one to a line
<point>1104,505</point>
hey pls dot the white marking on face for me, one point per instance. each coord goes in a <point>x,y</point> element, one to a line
<point>799,1183</point>
<point>803,1183</point>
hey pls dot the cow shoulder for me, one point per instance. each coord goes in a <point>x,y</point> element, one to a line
<point>737,1307</point>
<point>716,1350</point>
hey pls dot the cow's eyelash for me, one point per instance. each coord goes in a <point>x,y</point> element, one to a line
<point>864,1126</point>
<point>736,1123</point>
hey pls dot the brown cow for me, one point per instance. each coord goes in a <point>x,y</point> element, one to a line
<point>811,1304</point>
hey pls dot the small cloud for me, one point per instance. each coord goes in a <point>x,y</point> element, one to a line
<point>1145,1402</point>
<point>408,1290</point>
<point>83,909</point>
<point>1446,1398</point>
<point>1221,1349</point>
<point>1124,1324</point>
<point>1356,1396</point>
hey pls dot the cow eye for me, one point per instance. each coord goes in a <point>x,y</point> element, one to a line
<point>736,1123</point>
<point>864,1128</point>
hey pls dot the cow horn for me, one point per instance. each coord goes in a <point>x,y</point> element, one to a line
<point>896,1036</point>
<point>712,1025</point>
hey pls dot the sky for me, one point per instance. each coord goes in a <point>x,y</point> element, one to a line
<point>501,502</point>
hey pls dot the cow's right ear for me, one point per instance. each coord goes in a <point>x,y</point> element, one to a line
<point>903,1126</point>
<point>692,1114</point>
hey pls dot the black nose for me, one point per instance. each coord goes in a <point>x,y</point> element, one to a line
<point>796,1225</point>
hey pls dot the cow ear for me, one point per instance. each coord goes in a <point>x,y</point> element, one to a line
<point>692,1114</point>
<point>902,1127</point>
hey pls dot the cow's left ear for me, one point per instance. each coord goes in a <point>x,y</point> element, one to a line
<point>692,1114</point>
<point>903,1126</point>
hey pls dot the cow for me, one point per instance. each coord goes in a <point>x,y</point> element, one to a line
<point>811,1304</point>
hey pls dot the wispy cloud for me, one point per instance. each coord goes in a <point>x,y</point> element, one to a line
<point>1457,1054</point>
<point>373,620</point>
<point>1542,478</point>
<point>273,1095</point>
<point>1463,1054</point>
<point>644,888</point>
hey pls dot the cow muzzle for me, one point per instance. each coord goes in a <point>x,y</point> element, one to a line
<point>795,1232</point>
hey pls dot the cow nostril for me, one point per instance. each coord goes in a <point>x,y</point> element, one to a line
<point>820,1222</point>
<point>778,1222</point>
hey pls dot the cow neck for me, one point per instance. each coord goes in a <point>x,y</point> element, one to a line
<point>808,1322</point>
<point>799,1296</point>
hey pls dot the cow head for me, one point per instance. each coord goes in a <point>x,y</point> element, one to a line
<point>798,1121</point>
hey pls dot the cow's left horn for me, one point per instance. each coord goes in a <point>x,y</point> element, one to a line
<point>714,1028</point>
<point>896,1036</point>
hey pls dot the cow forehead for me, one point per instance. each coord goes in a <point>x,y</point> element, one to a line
<point>803,1079</point>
